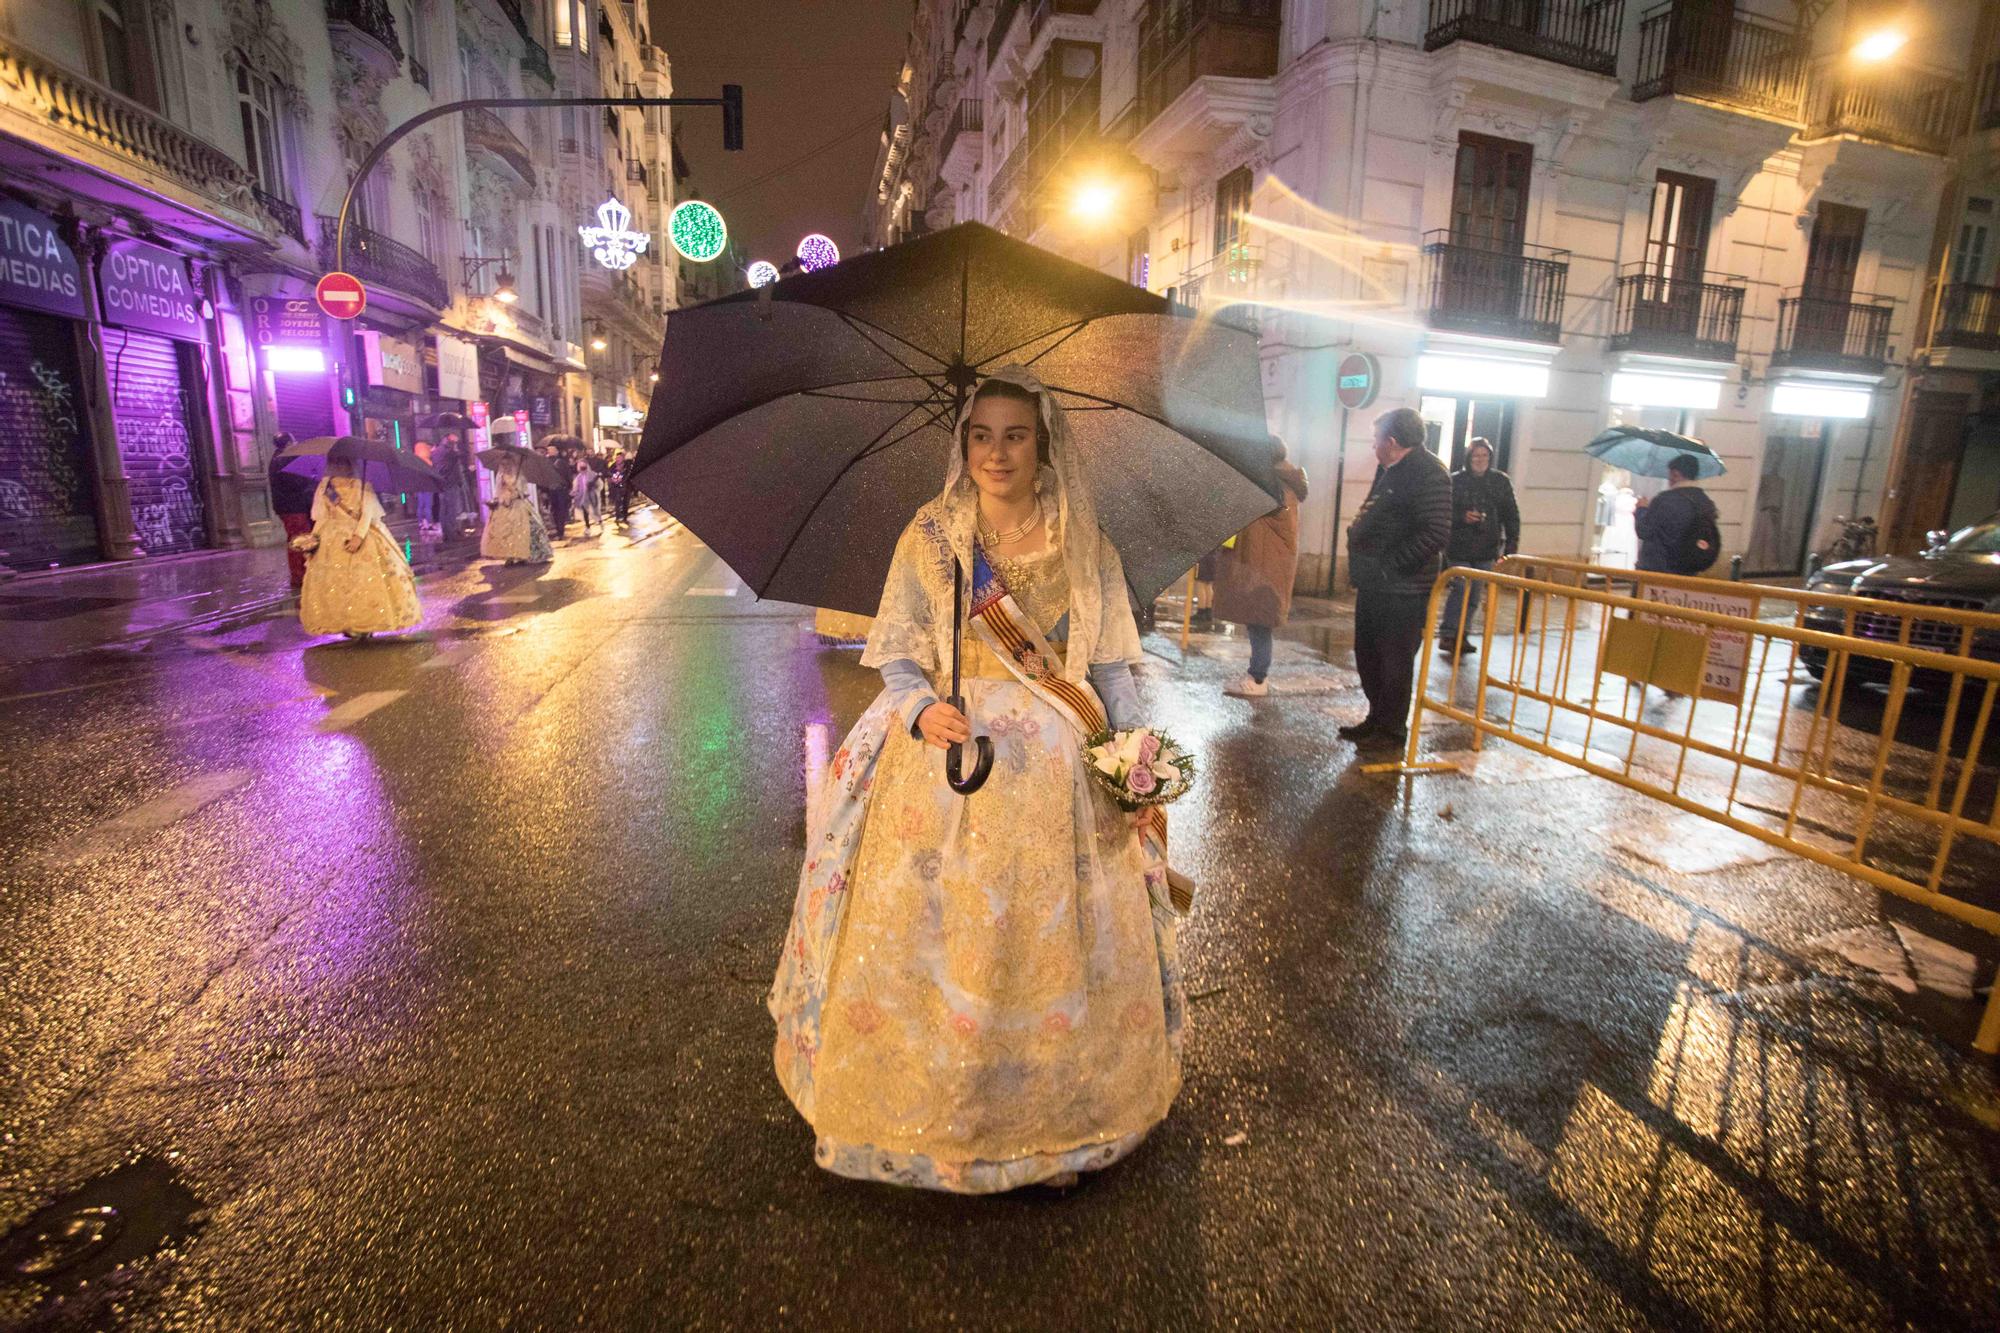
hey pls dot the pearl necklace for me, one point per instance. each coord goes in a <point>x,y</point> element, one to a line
<point>1013,535</point>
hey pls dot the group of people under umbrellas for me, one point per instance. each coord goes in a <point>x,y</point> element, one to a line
<point>352,578</point>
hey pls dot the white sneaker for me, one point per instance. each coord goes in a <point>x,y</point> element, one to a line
<point>1248,688</point>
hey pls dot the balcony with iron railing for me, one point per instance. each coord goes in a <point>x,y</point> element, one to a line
<point>375,258</point>
<point>1967,315</point>
<point>74,107</point>
<point>535,61</point>
<point>488,136</point>
<point>1833,333</point>
<point>1693,314</point>
<point>1922,110</point>
<point>1472,289</point>
<point>1582,34</point>
<point>372,20</point>
<point>968,119</point>
<point>281,211</point>
<point>1751,64</point>
<point>1184,40</point>
<point>1224,285</point>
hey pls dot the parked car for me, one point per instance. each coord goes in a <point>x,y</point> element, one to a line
<point>1960,570</point>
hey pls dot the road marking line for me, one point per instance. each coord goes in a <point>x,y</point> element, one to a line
<point>169,807</point>
<point>342,716</point>
<point>711,592</point>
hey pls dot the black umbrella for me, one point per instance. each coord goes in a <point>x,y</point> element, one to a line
<point>407,472</point>
<point>797,428</point>
<point>535,467</point>
<point>1645,452</point>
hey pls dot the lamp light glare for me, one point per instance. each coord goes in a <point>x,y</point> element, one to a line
<point>1093,202</point>
<point>1879,45</point>
<point>290,360</point>
<point>597,344</point>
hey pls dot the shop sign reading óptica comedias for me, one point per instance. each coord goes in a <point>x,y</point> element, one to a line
<point>37,270</point>
<point>145,287</point>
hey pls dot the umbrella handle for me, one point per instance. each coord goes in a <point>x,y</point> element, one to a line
<point>954,760</point>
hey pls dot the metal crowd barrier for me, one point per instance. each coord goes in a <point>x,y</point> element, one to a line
<point>1565,673</point>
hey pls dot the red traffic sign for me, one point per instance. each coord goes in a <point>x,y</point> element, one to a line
<point>1358,380</point>
<point>341,295</point>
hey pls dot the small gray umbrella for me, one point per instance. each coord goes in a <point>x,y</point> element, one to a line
<point>1645,452</point>
<point>534,467</point>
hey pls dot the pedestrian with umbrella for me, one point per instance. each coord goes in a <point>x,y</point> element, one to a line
<point>1679,529</point>
<point>514,531</point>
<point>980,988</point>
<point>357,582</point>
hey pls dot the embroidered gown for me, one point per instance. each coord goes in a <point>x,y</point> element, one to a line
<point>514,528</point>
<point>355,592</point>
<point>979,993</point>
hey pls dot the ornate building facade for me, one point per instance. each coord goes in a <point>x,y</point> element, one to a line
<point>171,178</point>
<point>1526,222</point>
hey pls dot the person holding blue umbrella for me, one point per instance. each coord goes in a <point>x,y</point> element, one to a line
<point>1678,532</point>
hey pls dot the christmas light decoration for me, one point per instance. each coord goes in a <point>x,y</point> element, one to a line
<point>697,230</point>
<point>817,252</point>
<point>612,242</point>
<point>762,273</point>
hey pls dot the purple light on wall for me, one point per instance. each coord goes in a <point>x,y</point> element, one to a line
<point>818,251</point>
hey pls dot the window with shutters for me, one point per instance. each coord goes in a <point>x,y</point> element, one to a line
<point>260,111</point>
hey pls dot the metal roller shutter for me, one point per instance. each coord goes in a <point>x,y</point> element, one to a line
<point>48,511</point>
<point>155,422</point>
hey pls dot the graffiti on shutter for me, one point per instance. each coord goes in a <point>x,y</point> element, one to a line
<point>153,415</point>
<point>47,509</point>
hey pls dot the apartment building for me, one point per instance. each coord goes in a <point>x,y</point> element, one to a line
<point>1527,221</point>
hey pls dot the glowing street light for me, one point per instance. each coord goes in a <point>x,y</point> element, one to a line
<point>1093,201</point>
<point>1879,45</point>
<point>817,251</point>
<point>762,273</point>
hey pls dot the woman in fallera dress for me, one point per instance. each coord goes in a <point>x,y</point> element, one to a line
<point>514,530</point>
<point>979,993</point>
<point>357,581</point>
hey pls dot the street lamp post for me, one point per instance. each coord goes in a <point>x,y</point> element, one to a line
<point>731,103</point>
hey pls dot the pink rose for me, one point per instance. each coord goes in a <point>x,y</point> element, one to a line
<point>1140,781</point>
<point>1149,749</point>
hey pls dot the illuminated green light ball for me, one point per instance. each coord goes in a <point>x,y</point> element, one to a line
<point>697,230</point>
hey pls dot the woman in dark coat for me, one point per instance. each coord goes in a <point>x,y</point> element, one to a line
<point>1253,580</point>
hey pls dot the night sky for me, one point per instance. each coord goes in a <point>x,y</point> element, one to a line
<point>812,71</point>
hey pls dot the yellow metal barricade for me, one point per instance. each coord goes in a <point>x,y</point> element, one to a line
<point>1797,731</point>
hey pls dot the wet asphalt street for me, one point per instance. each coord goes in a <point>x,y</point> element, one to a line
<point>419,985</point>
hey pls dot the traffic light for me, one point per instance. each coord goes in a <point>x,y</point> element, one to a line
<point>732,117</point>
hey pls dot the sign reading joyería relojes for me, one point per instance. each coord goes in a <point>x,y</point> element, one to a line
<point>145,287</point>
<point>37,270</point>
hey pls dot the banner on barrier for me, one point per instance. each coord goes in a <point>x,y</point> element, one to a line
<point>1668,656</point>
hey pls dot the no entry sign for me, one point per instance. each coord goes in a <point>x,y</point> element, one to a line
<point>1358,380</point>
<point>341,295</point>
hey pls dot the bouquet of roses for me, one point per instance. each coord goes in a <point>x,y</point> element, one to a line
<point>1140,767</point>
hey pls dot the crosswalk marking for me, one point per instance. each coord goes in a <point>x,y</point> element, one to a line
<point>169,807</point>
<point>342,716</point>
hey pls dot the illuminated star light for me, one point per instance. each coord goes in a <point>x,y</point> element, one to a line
<point>697,230</point>
<point>612,242</point>
<point>817,252</point>
<point>762,273</point>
